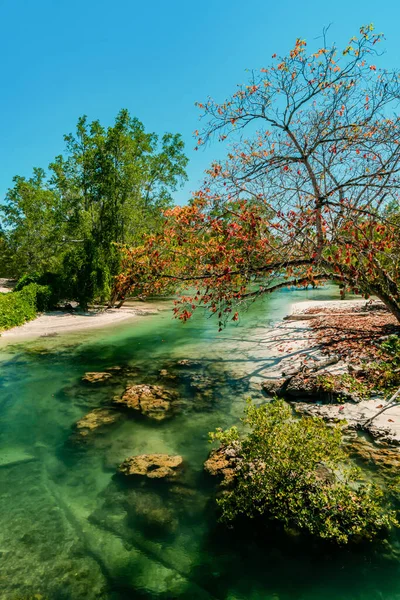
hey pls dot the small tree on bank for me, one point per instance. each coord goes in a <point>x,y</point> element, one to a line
<point>303,194</point>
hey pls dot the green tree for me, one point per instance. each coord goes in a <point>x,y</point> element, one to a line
<point>32,226</point>
<point>5,255</point>
<point>114,184</point>
<point>109,189</point>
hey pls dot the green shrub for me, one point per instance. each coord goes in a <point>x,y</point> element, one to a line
<point>26,280</point>
<point>296,471</point>
<point>17,307</point>
<point>392,347</point>
<point>53,281</point>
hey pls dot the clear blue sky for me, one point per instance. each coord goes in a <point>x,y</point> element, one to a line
<point>61,59</point>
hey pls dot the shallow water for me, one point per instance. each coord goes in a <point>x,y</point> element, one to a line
<point>71,529</point>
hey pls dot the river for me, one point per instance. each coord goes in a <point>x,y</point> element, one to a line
<point>70,529</point>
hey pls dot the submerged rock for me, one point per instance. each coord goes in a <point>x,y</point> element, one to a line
<point>96,377</point>
<point>152,401</point>
<point>185,362</point>
<point>222,463</point>
<point>165,374</point>
<point>385,457</point>
<point>152,466</point>
<point>97,418</point>
<point>151,512</point>
<point>202,383</point>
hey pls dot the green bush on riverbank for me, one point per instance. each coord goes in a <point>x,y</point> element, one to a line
<point>21,306</point>
<point>295,471</point>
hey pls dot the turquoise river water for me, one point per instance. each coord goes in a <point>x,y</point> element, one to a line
<point>71,529</point>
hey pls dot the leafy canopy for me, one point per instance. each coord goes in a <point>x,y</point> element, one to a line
<point>304,192</point>
<point>110,187</point>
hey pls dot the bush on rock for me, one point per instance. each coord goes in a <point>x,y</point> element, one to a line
<point>296,471</point>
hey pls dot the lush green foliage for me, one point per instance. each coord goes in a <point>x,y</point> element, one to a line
<point>18,307</point>
<point>33,225</point>
<point>110,188</point>
<point>26,280</point>
<point>392,347</point>
<point>296,471</point>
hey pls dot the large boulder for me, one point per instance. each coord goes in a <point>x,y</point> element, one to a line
<point>152,466</point>
<point>152,401</point>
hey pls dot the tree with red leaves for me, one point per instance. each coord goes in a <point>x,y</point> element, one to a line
<point>302,196</point>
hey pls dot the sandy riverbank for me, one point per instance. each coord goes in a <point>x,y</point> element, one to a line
<point>55,323</point>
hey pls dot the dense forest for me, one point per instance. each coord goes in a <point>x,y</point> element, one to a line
<point>64,226</point>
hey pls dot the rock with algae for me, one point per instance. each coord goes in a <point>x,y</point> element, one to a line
<point>96,376</point>
<point>152,466</point>
<point>321,386</point>
<point>222,463</point>
<point>152,401</point>
<point>96,419</point>
<point>386,458</point>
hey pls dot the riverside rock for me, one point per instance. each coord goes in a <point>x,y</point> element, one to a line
<point>387,458</point>
<point>221,463</point>
<point>152,466</point>
<point>152,401</point>
<point>306,385</point>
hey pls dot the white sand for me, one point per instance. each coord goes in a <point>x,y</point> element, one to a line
<point>333,305</point>
<point>57,322</point>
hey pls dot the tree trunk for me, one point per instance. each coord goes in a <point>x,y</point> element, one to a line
<point>389,301</point>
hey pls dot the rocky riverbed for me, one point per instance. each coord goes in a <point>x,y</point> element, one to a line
<point>73,525</point>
